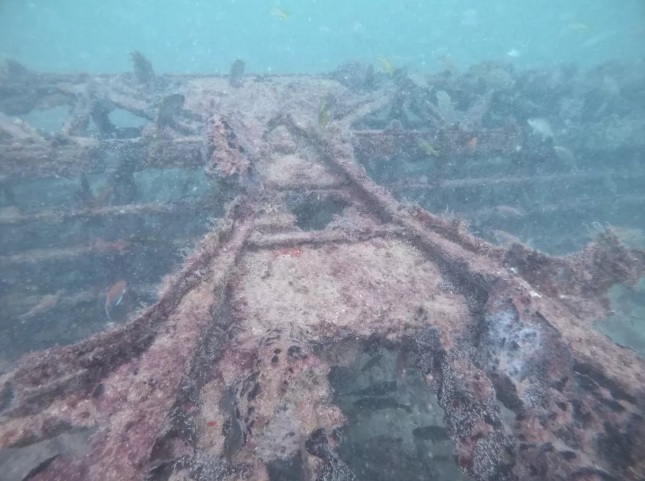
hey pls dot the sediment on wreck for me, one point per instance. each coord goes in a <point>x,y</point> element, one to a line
<point>318,324</point>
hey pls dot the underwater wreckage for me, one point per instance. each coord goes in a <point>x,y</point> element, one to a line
<point>319,324</point>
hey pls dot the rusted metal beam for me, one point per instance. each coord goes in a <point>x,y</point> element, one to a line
<point>436,142</point>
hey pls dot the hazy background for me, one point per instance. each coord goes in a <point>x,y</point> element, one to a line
<point>208,35</point>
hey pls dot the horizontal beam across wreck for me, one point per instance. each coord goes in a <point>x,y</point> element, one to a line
<point>70,157</point>
<point>436,142</point>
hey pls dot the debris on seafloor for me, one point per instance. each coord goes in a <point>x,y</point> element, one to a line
<point>236,75</point>
<point>143,71</point>
<point>319,329</point>
<point>376,403</point>
<point>445,108</point>
<point>431,433</point>
<point>355,75</point>
<point>334,469</point>
<point>21,463</point>
<point>323,114</point>
<point>170,106</point>
<point>378,389</point>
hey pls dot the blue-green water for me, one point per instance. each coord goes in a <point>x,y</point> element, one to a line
<point>316,35</point>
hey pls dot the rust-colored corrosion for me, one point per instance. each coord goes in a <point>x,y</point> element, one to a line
<point>227,374</point>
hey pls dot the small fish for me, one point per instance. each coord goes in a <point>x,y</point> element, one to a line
<point>377,403</point>
<point>599,38</point>
<point>513,53</point>
<point>541,126</point>
<point>509,211</point>
<point>506,238</point>
<point>472,144</point>
<point>114,296</point>
<point>278,13</point>
<point>46,303</point>
<point>379,389</point>
<point>431,433</point>
<point>565,156</point>
<point>428,148</point>
<point>578,27</point>
<point>387,66</point>
<point>101,245</point>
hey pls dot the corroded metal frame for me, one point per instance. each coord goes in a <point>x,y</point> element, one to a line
<point>150,392</point>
